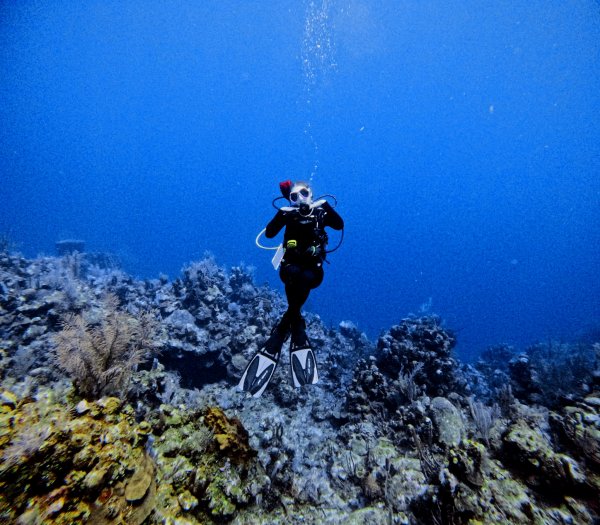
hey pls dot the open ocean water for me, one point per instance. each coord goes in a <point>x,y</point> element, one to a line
<point>460,139</point>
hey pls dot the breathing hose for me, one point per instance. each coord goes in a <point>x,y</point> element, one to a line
<point>260,245</point>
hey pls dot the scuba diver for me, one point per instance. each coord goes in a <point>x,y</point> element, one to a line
<point>301,270</point>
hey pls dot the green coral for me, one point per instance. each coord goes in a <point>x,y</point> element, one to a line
<point>476,488</point>
<point>580,427</point>
<point>529,449</point>
<point>66,463</point>
<point>206,468</point>
<point>467,462</point>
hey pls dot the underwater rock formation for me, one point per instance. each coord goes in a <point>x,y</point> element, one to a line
<point>479,465</point>
<point>423,343</point>
<point>72,462</point>
<point>219,320</point>
<point>206,468</point>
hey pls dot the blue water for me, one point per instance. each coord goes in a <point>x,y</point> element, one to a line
<point>461,139</point>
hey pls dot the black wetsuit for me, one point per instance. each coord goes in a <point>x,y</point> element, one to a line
<point>305,241</point>
<point>302,265</point>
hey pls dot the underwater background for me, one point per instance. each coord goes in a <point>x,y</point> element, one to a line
<point>456,334</point>
<point>459,138</point>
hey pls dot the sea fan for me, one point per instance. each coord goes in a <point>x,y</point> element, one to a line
<point>101,356</point>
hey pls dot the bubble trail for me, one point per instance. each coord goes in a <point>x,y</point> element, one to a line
<point>318,53</point>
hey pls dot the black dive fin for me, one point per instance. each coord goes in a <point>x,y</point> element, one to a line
<point>258,373</point>
<point>304,367</point>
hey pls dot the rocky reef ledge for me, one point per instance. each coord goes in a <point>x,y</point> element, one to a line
<point>118,406</point>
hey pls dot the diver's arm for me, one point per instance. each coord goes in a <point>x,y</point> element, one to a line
<point>274,227</point>
<point>332,218</point>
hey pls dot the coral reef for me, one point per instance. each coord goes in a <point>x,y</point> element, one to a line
<point>414,358</point>
<point>420,342</point>
<point>207,470</point>
<point>397,431</point>
<point>230,434</point>
<point>550,374</point>
<point>69,463</point>
<point>215,321</point>
<point>76,462</point>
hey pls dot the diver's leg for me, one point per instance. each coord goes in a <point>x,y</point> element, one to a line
<point>279,335</point>
<point>299,339</point>
<point>296,296</point>
<point>303,362</point>
<point>299,281</point>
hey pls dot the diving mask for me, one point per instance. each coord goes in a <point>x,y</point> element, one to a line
<point>300,195</point>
